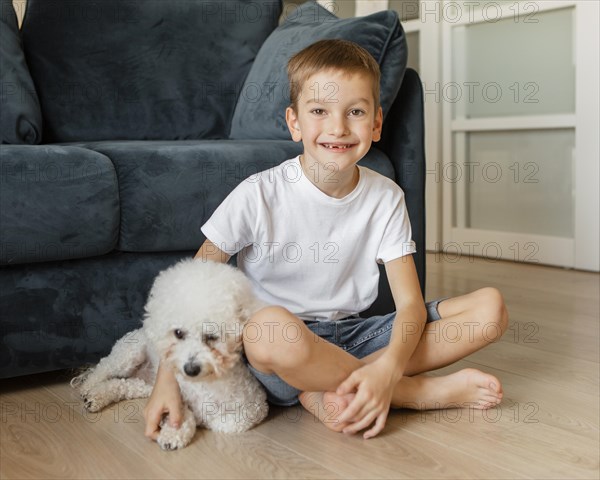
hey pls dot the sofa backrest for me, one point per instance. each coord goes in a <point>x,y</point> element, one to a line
<point>142,69</point>
<point>20,114</point>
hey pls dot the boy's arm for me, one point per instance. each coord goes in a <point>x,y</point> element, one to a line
<point>410,313</point>
<point>209,251</point>
<point>374,383</point>
<point>166,397</point>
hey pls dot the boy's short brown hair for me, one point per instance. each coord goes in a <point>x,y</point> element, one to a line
<point>331,54</point>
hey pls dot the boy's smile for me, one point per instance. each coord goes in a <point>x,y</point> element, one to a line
<point>336,120</point>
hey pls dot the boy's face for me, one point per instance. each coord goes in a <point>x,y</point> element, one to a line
<point>336,119</point>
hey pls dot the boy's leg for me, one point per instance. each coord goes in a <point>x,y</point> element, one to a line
<point>278,342</point>
<point>468,323</point>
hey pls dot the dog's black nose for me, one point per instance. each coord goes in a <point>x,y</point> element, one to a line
<point>191,369</point>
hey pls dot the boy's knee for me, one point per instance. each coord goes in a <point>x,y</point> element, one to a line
<point>493,308</point>
<point>274,338</point>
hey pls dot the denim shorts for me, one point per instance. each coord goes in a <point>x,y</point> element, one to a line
<point>357,336</point>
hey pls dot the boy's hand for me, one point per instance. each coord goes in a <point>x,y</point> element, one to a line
<point>165,399</point>
<point>374,384</point>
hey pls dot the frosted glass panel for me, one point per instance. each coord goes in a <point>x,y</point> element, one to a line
<point>514,68</point>
<point>515,181</point>
<point>412,39</point>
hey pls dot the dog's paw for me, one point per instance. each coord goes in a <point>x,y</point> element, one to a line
<point>94,399</point>
<point>90,404</point>
<point>171,439</point>
<point>169,446</point>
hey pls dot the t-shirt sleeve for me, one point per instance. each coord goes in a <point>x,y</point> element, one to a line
<point>231,225</point>
<point>397,239</point>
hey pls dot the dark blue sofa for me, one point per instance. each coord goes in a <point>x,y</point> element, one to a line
<point>127,135</point>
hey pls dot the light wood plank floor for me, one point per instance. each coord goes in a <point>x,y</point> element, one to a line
<point>546,427</point>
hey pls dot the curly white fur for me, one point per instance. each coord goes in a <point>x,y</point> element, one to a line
<point>193,324</point>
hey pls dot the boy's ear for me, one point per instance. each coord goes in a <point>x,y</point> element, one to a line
<point>292,122</point>
<point>378,125</point>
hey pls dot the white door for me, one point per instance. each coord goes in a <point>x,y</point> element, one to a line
<point>520,102</point>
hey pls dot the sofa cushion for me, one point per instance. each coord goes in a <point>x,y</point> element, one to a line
<point>169,189</point>
<point>142,69</point>
<point>56,203</point>
<point>260,111</point>
<point>20,114</point>
<point>65,314</point>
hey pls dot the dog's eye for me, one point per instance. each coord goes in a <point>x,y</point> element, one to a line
<point>210,338</point>
<point>179,333</point>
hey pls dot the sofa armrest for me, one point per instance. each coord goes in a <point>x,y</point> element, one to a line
<point>403,141</point>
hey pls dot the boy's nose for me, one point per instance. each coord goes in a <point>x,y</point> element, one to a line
<point>338,127</point>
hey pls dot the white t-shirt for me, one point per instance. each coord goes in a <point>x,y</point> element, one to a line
<point>311,253</point>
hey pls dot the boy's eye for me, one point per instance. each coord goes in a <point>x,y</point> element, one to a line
<point>356,112</point>
<point>179,334</point>
<point>317,111</point>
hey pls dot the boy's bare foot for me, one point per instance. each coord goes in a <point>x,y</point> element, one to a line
<point>467,388</point>
<point>327,407</point>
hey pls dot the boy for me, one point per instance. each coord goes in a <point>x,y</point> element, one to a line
<point>310,233</point>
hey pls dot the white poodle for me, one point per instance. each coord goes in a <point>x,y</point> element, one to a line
<point>193,324</point>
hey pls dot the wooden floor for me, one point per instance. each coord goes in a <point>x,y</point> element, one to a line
<point>546,427</point>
